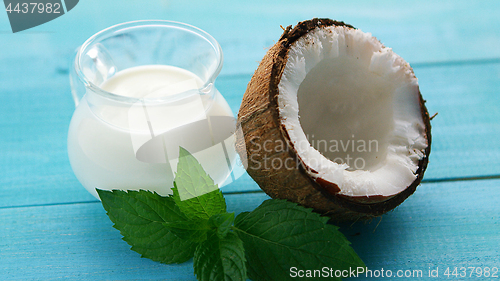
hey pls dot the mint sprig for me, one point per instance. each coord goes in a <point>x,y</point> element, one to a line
<point>279,235</point>
<point>194,191</point>
<point>140,216</point>
<point>193,223</point>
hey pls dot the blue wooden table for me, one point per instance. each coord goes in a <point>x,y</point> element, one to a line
<point>52,228</point>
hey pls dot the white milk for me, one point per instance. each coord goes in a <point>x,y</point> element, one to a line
<point>115,145</point>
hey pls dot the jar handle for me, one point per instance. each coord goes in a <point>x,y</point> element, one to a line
<point>78,88</point>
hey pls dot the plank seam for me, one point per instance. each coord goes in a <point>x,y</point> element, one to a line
<point>424,181</point>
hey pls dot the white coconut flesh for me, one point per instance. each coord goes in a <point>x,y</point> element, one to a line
<point>351,109</point>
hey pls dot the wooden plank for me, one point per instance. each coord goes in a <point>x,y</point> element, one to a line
<point>420,31</point>
<point>34,163</point>
<point>466,131</point>
<point>77,241</point>
<point>441,225</point>
<point>466,141</point>
<point>452,224</point>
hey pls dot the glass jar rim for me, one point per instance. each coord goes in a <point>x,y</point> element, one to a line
<point>204,89</point>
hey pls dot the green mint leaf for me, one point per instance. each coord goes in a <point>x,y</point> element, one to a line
<point>223,223</point>
<point>220,258</point>
<point>194,191</point>
<point>193,230</point>
<point>279,235</point>
<point>140,217</point>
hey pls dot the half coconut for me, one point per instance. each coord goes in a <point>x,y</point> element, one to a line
<point>335,121</point>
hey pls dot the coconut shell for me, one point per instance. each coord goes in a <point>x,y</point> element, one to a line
<point>264,143</point>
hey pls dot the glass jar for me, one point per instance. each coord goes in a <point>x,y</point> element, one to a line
<point>142,90</point>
